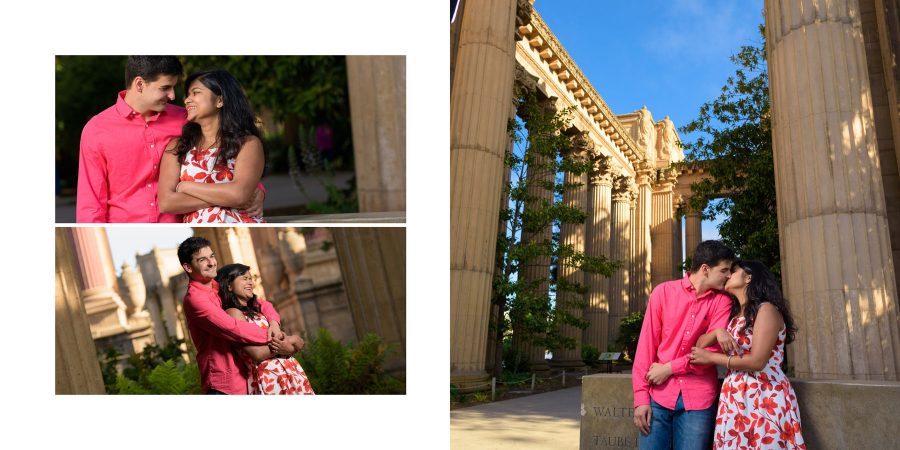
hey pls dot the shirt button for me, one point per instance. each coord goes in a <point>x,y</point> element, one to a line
<point>152,204</point>
<point>151,145</point>
<point>146,125</point>
<point>148,185</point>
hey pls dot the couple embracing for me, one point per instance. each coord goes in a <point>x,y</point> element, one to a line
<point>725,312</point>
<point>240,346</point>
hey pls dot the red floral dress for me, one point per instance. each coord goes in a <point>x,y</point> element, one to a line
<point>275,376</point>
<point>758,410</point>
<point>198,167</point>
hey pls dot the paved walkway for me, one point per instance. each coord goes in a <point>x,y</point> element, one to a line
<point>547,421</point>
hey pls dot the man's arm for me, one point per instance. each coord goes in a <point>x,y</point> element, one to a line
<point>217,322</point>
<point>92,192</point>
<point>648,342</point>
<point>256,352</point>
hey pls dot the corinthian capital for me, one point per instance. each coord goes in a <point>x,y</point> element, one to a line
<point>621,190</point>
<point>601,169</point>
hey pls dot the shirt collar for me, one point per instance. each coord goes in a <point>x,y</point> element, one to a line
<point>213,288</point>
<point>689,287</point>
<point>124,110</point>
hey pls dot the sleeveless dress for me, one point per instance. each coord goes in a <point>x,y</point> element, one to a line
<point>758,410</point>
<point>198,167</point>
<point>275,376</point>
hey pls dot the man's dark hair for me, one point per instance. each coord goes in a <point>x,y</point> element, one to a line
<point>190,246</point>
<point>710,253</point>
<point>151,67</point>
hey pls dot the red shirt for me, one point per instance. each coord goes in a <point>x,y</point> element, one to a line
<point>214,332</point>
<point>674,320</point>
<point>118,167</point>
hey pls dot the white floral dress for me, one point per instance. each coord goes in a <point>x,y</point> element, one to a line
<point>275,376</point>
<point>758,410</point>
<point>198,167</point>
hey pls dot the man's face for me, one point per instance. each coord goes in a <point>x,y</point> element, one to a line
<point>155,95</point>
<point>717,276</point>
<point>203,265</point>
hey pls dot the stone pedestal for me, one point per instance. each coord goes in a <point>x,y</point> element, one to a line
<point>607,412</point>
<point>373,268</point>
<point>479,105</point>
<point>377,88</point>
<point>77,367</point>
<point>598,243</point>
<point>838,271</point>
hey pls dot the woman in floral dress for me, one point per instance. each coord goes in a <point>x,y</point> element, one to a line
<point>757,406</point>
<point>268,373</point>
<point>213,169</point>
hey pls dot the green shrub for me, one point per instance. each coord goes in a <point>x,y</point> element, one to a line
<point>590,355</point>
<point>156,370</point>
<point>333,368</point>
<point>629,332</point>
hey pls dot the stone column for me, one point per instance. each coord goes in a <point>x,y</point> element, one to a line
<point>104,306</point>
<point>838,272</point>
<point>540,171</point>
<point>373,268</point>
<point>572,234</point>
<point>77,367</point>
<point>677,251</point>
<point>619,250</point>
<point>482,89</point>
<point>377,89</point>
<point>661,228</point>
<point>598,243</point>
<point>643,248</point>
<point>693,232</point>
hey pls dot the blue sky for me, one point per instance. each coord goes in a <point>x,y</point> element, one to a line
<point>670,56</point>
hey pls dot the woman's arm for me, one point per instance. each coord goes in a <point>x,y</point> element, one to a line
<point>766,327</point>
<point>258,353</point>
<point>169,173</point>
<point>248,168</point>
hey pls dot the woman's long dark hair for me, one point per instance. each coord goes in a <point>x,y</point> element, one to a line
<point>225,277</point>
<point>762,289</point>
<point>237,121</point>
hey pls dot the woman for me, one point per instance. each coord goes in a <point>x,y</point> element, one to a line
<point>215,166</point>
<point>757,405</point>
<point>269,373</point>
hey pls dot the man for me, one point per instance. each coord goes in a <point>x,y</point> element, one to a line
<point>674,400</point>
<point>118,166</point>
<point>213,331</point>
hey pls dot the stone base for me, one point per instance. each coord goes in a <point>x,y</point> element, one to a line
<point>466,383</point>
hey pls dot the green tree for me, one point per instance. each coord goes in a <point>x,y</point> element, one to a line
<point>519,301</point>
<point>735,149</point>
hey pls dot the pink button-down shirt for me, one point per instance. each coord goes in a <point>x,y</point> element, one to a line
<point>674,320</point>
<point>214,333</point>
<point>118,167</point>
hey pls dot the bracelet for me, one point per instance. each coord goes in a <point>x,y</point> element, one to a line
<point>728,362</point>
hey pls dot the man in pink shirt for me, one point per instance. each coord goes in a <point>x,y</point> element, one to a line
<point>674,400</point>
<point>213,331</point>
<point>118,165</point>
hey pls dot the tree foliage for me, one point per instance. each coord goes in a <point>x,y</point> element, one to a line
<point>735,149</point>
<point>523,308</point>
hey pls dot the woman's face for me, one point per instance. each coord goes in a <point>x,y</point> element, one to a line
<point>738,281</point>
<point>242,286</point>
<point>200,102</point>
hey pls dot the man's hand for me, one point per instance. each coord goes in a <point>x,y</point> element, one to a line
<point>642,416</point>
<point>700,356</point>
<point>281,347</point>
<point>659,373</point>
<point>275,331</point>
<point>727,343</point>
<point>254,207</point>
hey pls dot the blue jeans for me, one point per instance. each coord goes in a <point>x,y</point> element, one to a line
<point>679,428</point>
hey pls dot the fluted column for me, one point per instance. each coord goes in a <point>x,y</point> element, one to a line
<point>643,241</point>
<point>572,234</point>
<point>677,251</point>
<point>838,273</point>
<point>693,230</point>
<point>598,244</point>
<point>620,251</point>
<point>377,89</point>
<point>77,368</point>
<point>482,86</point>
<point>373,269</point>
<point>661,228</point>
<point>104,306</point>
<point>538,173</point>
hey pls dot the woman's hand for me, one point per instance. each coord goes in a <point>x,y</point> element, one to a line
<point>275,331</point>
<point>701,356</point>
<point>281,347</point>
<point>727,343</point>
